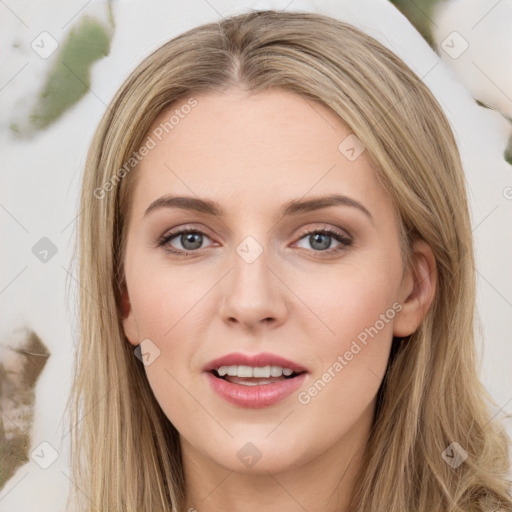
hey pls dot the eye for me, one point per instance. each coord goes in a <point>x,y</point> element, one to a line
<point>321,240</point>
<point>190,240</point>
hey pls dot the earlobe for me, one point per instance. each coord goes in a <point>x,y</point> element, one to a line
<point>418,290</point>
<point>129,325</point>
<point>125,302</point>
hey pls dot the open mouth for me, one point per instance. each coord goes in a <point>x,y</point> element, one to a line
<point>254,376</point>
<point>254,386</point>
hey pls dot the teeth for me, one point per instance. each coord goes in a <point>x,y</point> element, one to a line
<point>261,372</point>
<point>276,371</point>
<point>223,370</point>
<point>258,372</point>
<point>244,371</point>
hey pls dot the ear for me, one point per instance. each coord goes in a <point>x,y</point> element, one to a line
<point>417,289</point>
<point>130,327</point>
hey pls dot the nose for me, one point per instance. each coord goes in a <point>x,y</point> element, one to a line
<point>253,294</point>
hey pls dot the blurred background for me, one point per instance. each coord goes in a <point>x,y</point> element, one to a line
<point>487,25</point>
<point>61,65</point>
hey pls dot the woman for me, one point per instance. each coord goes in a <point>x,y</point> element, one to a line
<point>277,285</point>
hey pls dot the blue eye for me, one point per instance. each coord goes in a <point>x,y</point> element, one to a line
<point>321,240</point>
<point>191,239</point>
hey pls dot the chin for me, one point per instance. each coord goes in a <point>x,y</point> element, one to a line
<point>259,454</point>
<point>262,464</point>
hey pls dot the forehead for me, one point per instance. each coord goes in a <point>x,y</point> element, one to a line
<point>249,148</point>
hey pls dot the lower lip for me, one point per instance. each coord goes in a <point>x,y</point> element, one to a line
<point>255,397</point>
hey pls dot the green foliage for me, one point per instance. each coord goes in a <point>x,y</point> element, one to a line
<point>69,79</point>
<point>508,151</point>
<point>420,14</point>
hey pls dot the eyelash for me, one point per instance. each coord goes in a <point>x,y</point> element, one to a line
<point>344,240</point>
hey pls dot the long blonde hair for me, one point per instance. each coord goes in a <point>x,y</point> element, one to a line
<point>125,452</point>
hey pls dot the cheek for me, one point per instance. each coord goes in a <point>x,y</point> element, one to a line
<point>172,310</point>
<point>353,341</point>
<point>350,300</point>
<point>169,308</point>
<point>167,301</point>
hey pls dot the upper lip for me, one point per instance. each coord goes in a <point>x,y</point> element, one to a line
<point>254,360</point>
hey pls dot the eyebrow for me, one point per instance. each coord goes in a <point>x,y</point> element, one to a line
<point>293,207</point>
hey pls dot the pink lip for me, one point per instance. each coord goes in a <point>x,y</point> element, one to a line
<point>262,395</point>
<point>255,397</point>
<point>261,359</point>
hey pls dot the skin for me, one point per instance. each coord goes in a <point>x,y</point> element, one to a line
<point>252,154</point>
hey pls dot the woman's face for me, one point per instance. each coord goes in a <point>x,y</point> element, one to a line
<point>261,282</point>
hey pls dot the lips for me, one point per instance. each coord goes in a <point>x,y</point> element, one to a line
<point>254,360</point>
<point>254,392</point>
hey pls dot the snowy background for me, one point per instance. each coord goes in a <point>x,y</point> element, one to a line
<point>42,153</point>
